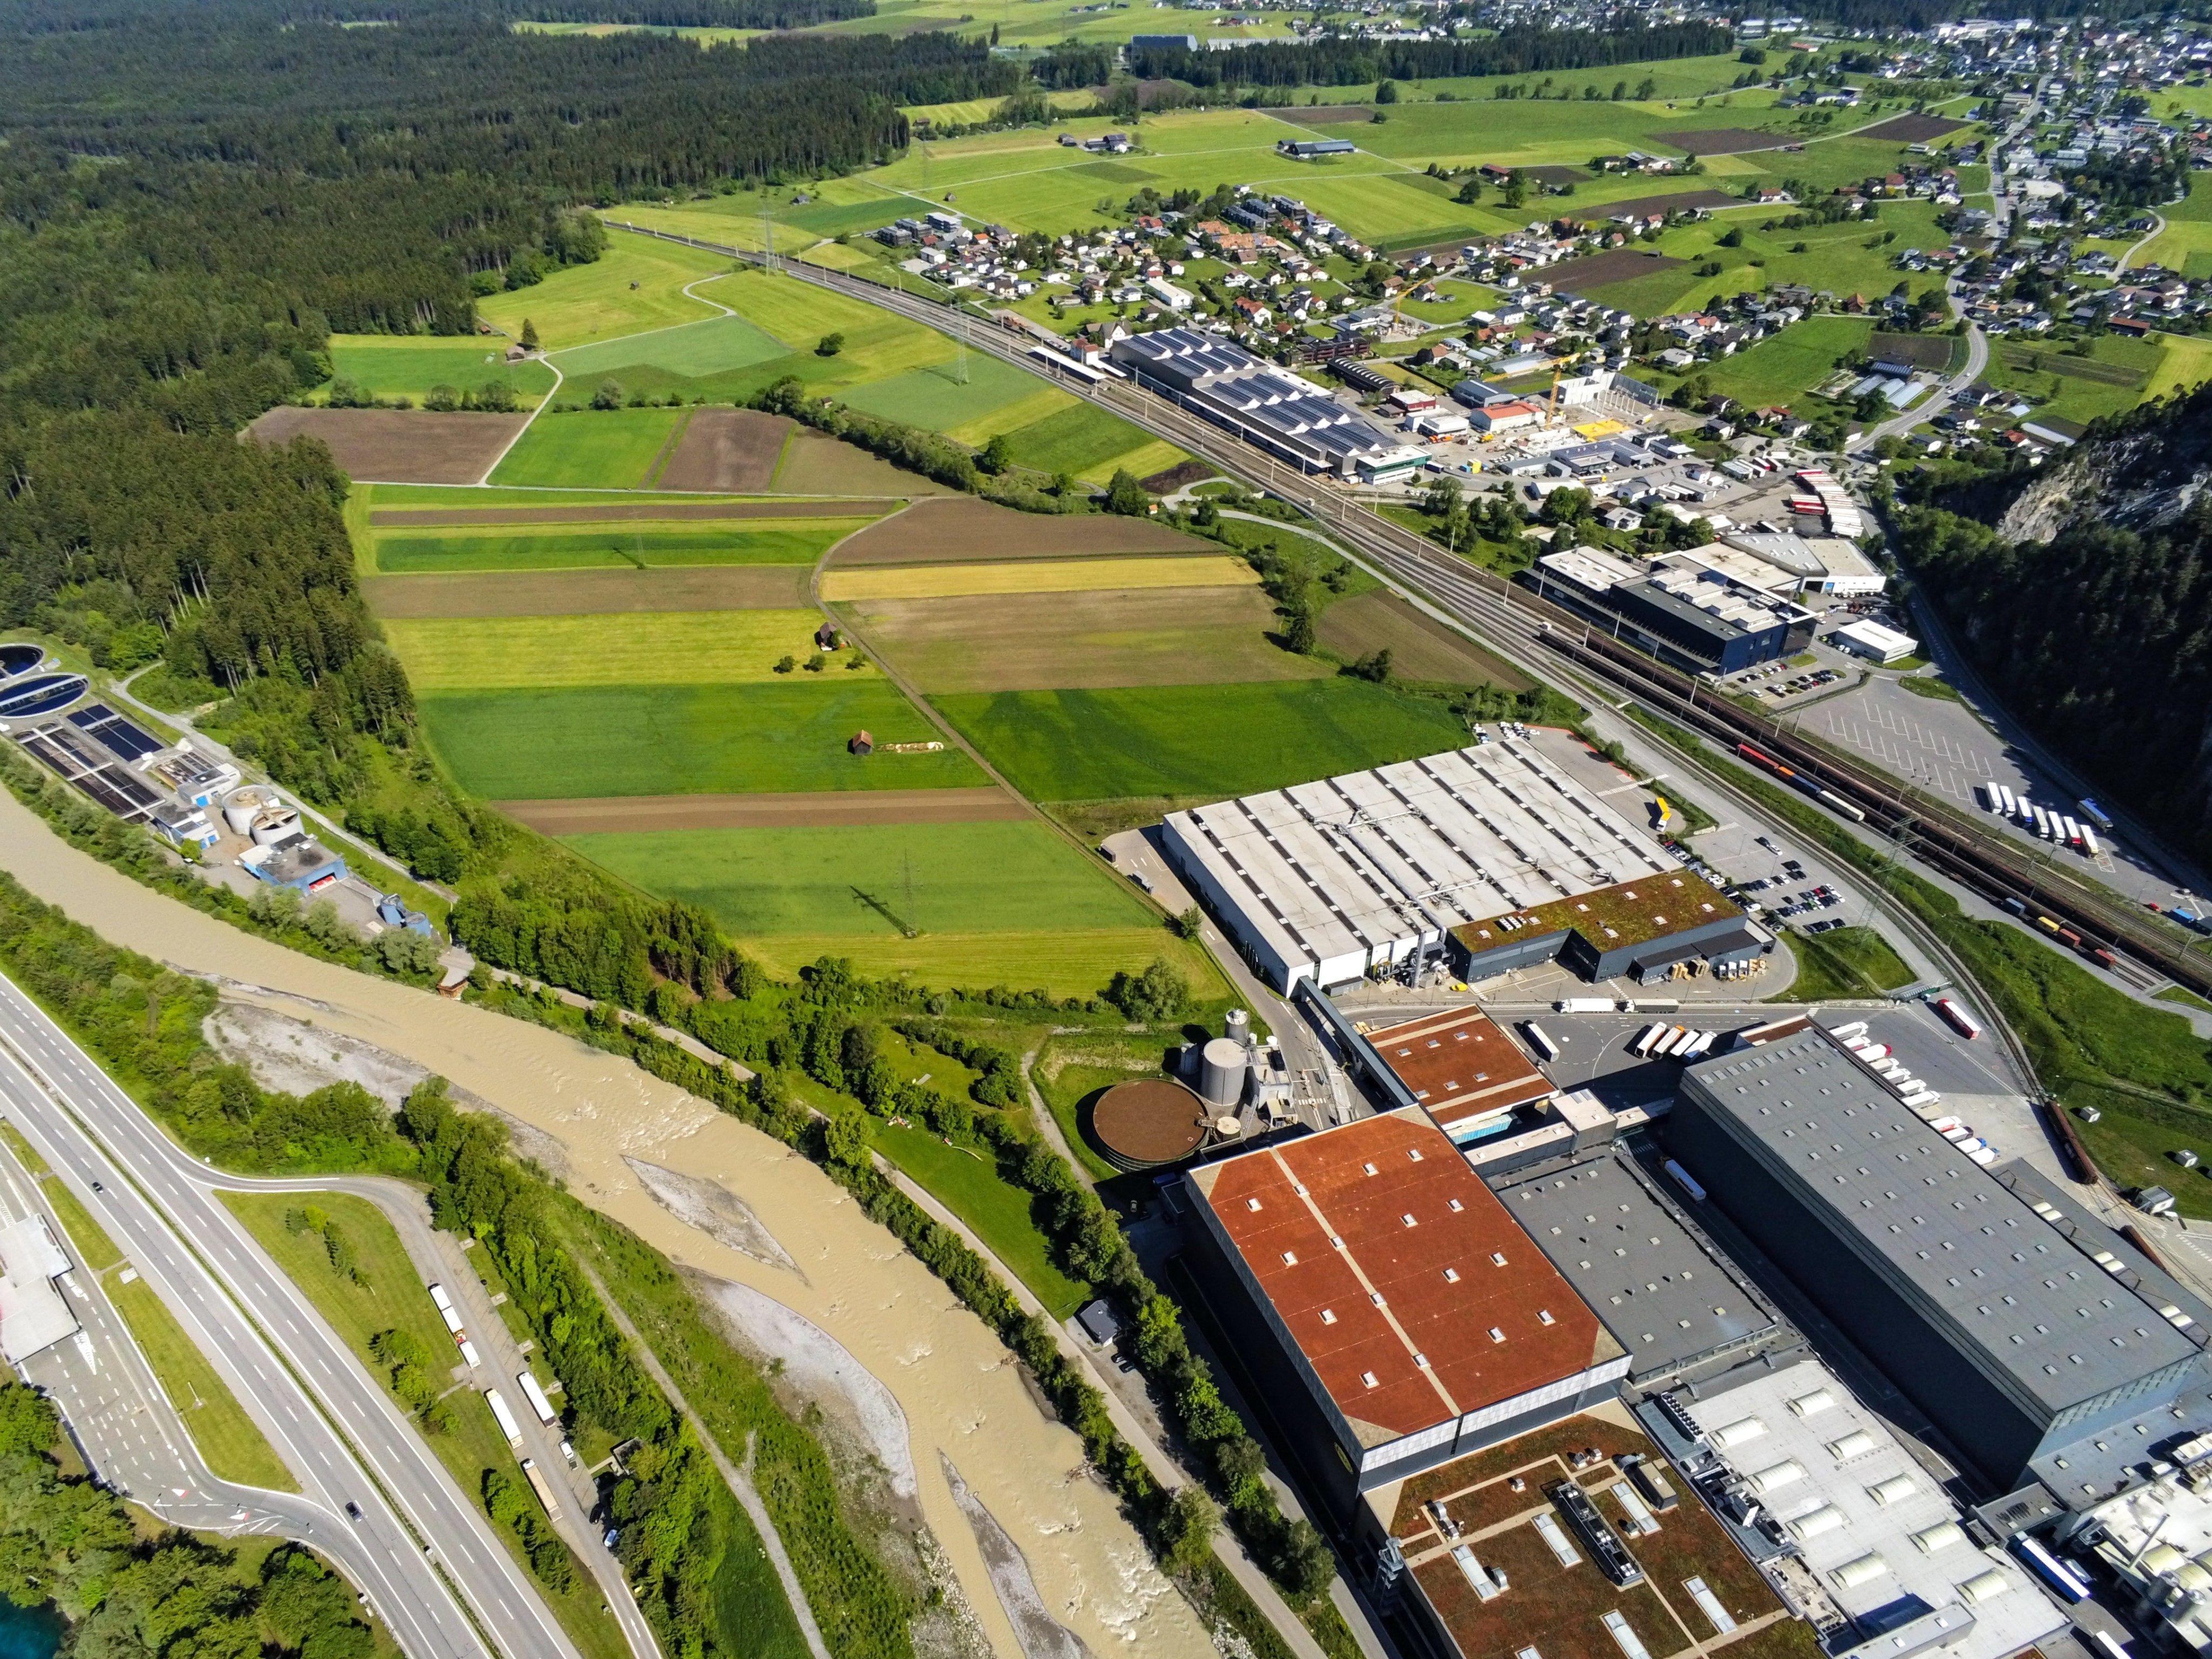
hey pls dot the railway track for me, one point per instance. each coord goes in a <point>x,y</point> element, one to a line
<point>1929,831</point>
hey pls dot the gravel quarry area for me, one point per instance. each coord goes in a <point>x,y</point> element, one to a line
<point>959,1390</point>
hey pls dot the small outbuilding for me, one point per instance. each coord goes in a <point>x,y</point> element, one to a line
<point>862,743</point>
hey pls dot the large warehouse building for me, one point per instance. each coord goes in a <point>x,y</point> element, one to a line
<point>1286,416</point>
<point>1418,1322</point>
<point>1492,853</point>
<point>2000,1322</point>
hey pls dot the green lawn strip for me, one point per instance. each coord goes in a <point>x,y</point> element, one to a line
<point>2092,1045</point>
<point>1224,740</point>
<point>1785,367</point>
<point>389,1295</point>
<point>1327,1626</point>
<point>1850,962</point>
<point>937,396</point>
<point>999,877</point>
<point>612,448</point>
<point>26,1154</point>
<point>1070,439</point>
<point>708,347</point>
<point>966,1180</point>
<point>610,547</point>
<point>853,1601</point>
<point>476,498</point>
<point>230,1441</point>
<point>94,1247</point>
<point>1927,685</point>
<point>662,740</point>
<point>2187,998</point>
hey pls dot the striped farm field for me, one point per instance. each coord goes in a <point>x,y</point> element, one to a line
<point>682,647</point>
<point>607,546</point>
<point>1036,577</point>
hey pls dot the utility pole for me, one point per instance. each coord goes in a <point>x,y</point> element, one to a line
<point>768,235</point>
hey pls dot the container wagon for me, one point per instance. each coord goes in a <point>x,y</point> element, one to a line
<point>536,1396</point>
<point>500,1410</point>
<point>1956,1017</point>
<point>2071,1152</point>
<point>1540,1040</point>
<point>543,1487</point>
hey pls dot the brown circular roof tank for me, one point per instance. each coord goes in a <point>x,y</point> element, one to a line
<point>1144,1124</point>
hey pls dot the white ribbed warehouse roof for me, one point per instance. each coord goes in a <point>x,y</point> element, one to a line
<point>1324,879</point>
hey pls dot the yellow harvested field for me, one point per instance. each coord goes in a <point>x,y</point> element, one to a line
<point>687,648</point>
<point>1157,456</point>
<point>949,582</point>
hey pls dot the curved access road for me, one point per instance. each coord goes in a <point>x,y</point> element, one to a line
<point>418,1548</point>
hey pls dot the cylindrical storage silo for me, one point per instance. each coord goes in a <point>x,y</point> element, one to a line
<point>1238,1027</point>
<point>244,806</point>
<point>1221,1068</point>
<point>274,824</point>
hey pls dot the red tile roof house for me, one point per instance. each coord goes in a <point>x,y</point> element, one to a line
<point>1380,1299</point>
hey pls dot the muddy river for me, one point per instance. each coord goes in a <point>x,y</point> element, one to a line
<point>962,1401</point>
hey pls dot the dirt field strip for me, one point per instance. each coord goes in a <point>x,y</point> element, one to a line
<point>824,810</point>
<point>399,446</point>
<point>668,450</point>
<point>939,581</point>
<point>1679,202</point>
<point>590,592</point>
<point>1619,265</point>
<point>1914,128</point>
<point>732,451</point>
<point>456,517</point>
<point>1724,141</point>
<point>961,530</point>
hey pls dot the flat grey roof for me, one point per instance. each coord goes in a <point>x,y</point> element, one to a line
<point>1665,1297</point>
<point>2021,1299</point>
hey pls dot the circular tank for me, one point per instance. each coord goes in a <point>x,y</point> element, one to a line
<point>1238,1026</point>
<point>244,806</point>
<point>276,823</point>
<point>1145,1124</point>
<point>1221,1068</point>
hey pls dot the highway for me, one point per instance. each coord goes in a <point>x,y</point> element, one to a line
<point>419,1539</point>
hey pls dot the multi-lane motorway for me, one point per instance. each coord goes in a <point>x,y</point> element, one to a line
<point>418,1548</point>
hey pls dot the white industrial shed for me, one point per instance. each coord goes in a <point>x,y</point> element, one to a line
<point>1327,880</point>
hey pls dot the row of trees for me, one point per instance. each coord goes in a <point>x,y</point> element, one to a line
<point>1347,61</point>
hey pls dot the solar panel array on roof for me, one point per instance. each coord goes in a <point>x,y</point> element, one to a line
<point>1271,406</point>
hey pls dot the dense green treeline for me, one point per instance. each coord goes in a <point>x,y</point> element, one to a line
<point>67,1542</point>
<point>2100,637</point>
<point>1345,62</point>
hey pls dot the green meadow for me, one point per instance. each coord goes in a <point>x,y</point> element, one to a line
<point>789,734</point>
<point>612,546</point>
<point>613,447</point>
<point>1195,740</point>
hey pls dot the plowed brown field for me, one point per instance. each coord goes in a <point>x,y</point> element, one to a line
<point>961,529</point>
<point>398,446</point>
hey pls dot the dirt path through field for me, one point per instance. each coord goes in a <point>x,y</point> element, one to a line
<point>960,1390</point>
<point>816,810</point>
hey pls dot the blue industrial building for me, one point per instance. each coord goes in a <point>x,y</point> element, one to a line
<point>2020,1331</point>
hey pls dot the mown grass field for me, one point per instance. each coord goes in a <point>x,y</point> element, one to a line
<point>613,448</point>
<point>2117,374</point>
<point>581,303</point>
<point>966,1183</point>
<point>678,739</point>
<point>233,1446</point>
<point>1842,259</point>
<point>709,347</point>
<point>1781,369</point>
<point>1006,876</point>
<point>932,581</point>
<point>409,365</point>
<point>688,647</point>
<point>610,546</point>
<point>1185,740</point>
<point>1065,965</point>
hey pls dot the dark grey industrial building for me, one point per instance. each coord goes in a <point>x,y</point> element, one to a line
<point>2017,1335</point>
<point>1668,1296</point>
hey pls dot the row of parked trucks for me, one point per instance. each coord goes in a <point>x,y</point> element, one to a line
<point>502,1413</point>
<point>1665,1041</point>
<point>2047,822</point>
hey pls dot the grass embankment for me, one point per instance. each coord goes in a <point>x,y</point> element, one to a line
<point>2145,1070</point>
<point>1851,962</point>
<point>385,1292</point>
<point>230,1441</point>
<point>966,1180</point>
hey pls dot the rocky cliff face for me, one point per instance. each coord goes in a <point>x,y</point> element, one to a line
<point>2143,480</point>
